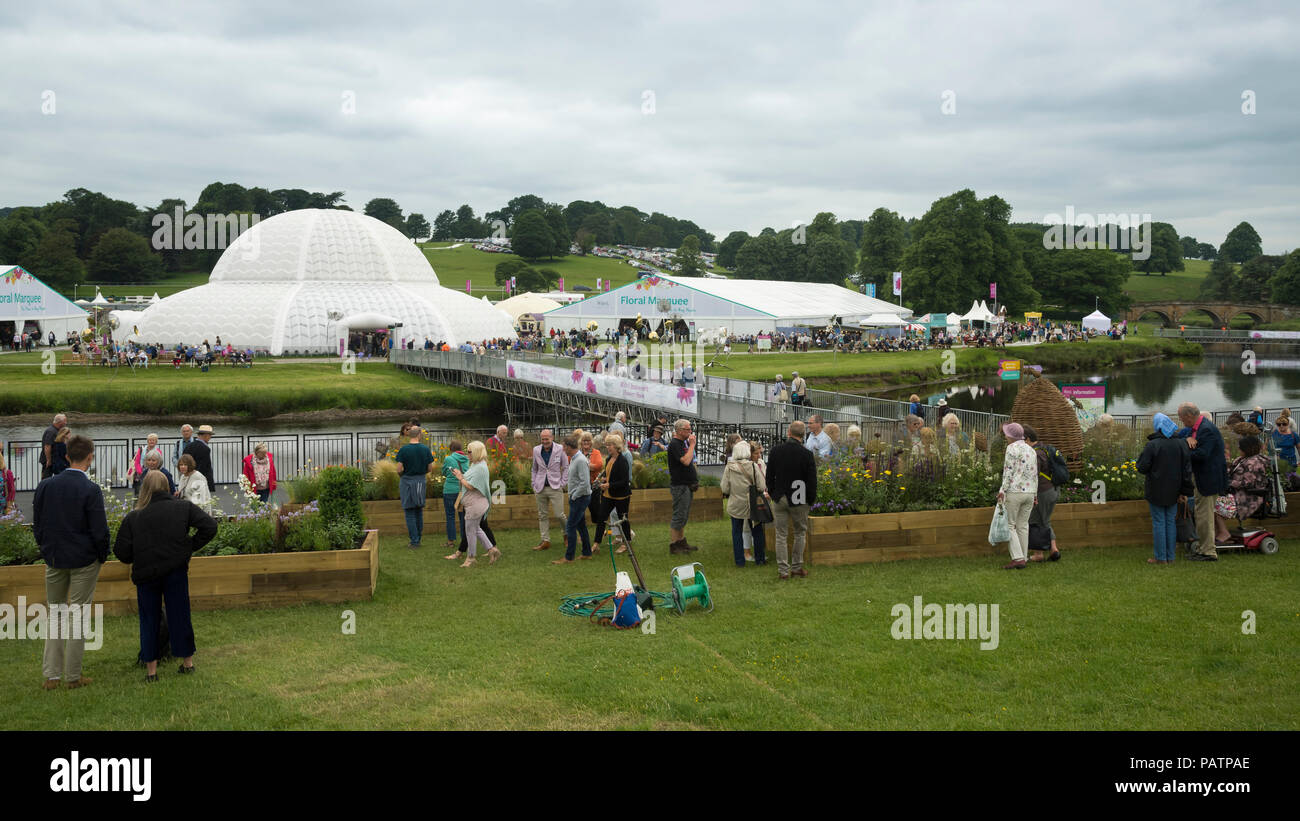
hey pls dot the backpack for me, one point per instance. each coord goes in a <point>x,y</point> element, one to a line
<point>1060,471</point>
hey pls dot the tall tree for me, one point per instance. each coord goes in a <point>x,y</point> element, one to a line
<point>417,227</point>
<point>758,258</point>
<point>121,256</point>
<point>444,225</point>
<point>1284,287</point>
<point>468,226</point>
<point>881,251</point>
<point>728,248</point>
<point>585,240</point>
<point>1222,281</point>
<point>516,206</point>
<point>531,237</point>
<point>1166,253</point>
<point>1255,276</point>
<point>960,246</point>
<point>386,210</point>
<point>1205,250</point>
<point>1242,243</point>
<point>687,259</point>
<point>1189,245</point>
<point>54,259</point>
<point>1077,279</point>
<point>560,241</point>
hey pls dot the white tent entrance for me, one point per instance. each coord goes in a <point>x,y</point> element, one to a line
<point>28,305</point>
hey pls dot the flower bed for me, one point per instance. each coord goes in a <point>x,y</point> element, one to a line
<point>857,539</point>
<point>222,582</point>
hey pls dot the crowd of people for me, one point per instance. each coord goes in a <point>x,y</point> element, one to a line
<point>110,352</point>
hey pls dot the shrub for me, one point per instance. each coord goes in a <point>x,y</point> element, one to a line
<point>17,544</point>
<point>307,533</point>
<point>340,495</point>
<point>342,535</point>
<point>303,488</point>
<point>384,478</point>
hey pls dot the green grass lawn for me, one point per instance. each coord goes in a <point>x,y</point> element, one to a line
<point>1176,285</point>
<point>455,265</point>
<point>260,391</point>
<point>164,287</point>
<point>1099,640</point>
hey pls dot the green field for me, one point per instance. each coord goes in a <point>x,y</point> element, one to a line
<point>455,265</point>
<point>1176,285</point>
<point>1099,640</point>
<point>165,287</point>
<point>261,391</point>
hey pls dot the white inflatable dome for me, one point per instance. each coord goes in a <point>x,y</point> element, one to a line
<point>298,282</point>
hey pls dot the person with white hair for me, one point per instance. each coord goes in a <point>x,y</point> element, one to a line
<point>496,445</point>
<point>187,436</point>
<point>619,425</point>
<point>137,469</point>
<point>738,477</point>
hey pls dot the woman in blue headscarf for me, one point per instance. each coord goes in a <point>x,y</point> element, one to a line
<point>1166,462</point>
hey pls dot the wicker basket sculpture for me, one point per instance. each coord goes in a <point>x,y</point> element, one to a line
<point>1040,405</point>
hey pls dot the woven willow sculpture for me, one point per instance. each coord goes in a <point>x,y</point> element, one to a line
<point>1040,405</point>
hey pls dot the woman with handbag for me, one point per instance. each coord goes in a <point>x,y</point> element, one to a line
<point>476,486</point>
<point>1166,461</point>
<point>1018,491</point>
<point>616,486</point>
<point>596,464</point>
<point>746,490</point>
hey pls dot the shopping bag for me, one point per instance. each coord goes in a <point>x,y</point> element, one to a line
<point>1185,522</point>
<point>999,530</point>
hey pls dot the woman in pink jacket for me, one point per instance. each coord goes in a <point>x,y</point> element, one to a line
<point>259,469</point>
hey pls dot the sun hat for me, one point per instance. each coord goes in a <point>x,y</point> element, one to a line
<point>1013,431</point>
<point>205,429</point>
<point>943,403</point>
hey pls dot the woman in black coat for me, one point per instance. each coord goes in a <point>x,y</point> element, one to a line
<point>154,538</point>
<point>1166,462</point>
<point>616,485</point>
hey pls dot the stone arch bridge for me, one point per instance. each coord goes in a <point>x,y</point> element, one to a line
<point>1221,314</point>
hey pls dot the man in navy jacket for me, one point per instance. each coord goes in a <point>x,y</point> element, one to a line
<point>72,532</point>
<point>1210,470</point>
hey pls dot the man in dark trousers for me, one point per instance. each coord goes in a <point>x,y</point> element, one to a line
<point>72,532</point>
<point>1210,471</point>
<point>47,445</point>
<point>792,482</point>
<point>198,448</point>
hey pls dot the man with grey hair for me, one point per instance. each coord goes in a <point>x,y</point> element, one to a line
<point>792,483</point>
<point>818,441</point>
<point>619,425</point>
<point>47,444</point>
<point>1210,470</point>
<point>683,482</point>
<point>496,445</point>
<point>187,436</point>
<point>550,475</point>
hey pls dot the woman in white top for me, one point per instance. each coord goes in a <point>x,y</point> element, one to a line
<point>1019,491</point>
<point>192,485</point>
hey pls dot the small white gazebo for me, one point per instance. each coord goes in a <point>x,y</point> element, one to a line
<point>1097,321</point>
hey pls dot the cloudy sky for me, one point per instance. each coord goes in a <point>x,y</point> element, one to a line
<point>735,115</point>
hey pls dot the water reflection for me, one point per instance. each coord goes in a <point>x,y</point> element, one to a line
<point>1215,382</point>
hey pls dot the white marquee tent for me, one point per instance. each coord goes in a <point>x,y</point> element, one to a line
<point>302,280</point>
<point>526,304</point>
<point>34,307</point>
<point>1096,321</point>
<point>743,306</point>
<point>979,312</point>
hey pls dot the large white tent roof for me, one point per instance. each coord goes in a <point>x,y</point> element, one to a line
<point>278,284</point>
<point>722,301</point>
<point>526,303</point>
<point>883,321</point>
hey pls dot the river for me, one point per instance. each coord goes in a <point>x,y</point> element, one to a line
<point>1215,382</point>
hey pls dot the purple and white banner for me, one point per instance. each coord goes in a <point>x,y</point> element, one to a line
<point>640,391</point>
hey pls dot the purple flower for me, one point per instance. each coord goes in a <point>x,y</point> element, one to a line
<point>510,371</point>
<point>591,385</point>
<point>577,376</point>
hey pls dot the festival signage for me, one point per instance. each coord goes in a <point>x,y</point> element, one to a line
<point>639,391</point>
<point>23,297</point>
<point>1009,369</point>
<point>993,290</point>
<point>898,283</point>
<point>1092,396</point>
<point>871,290</point>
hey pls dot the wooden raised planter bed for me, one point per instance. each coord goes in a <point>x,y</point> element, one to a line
<point>520,511</point>
<point>223,582</point>
<point>882,537</point>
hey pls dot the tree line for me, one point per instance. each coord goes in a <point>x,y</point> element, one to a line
<point>950,256</point>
